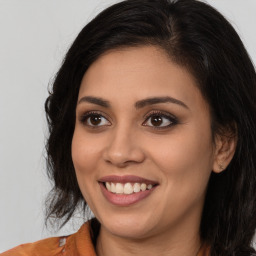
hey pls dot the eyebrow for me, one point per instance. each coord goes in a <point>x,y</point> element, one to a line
<point>138,104</point>
<point>157,100</point>
<point>95,100</point>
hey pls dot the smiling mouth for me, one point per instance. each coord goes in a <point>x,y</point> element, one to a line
<point>127,188</point>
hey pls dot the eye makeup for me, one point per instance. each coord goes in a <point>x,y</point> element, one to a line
<point>94,119</point>
<point>160,119</point>
<point>155,119</point>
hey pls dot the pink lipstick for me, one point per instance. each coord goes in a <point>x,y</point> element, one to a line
<point>126,190</point>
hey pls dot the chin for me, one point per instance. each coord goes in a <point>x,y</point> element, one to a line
<point>127,227</point>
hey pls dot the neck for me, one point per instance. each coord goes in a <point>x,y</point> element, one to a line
<point>174,243</point>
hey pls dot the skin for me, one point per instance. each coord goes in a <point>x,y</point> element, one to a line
<point>180,156</point>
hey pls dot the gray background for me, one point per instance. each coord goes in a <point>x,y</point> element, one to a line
<point>34,36</point>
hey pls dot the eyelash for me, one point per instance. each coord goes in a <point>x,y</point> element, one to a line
<point>172,119</point>
<point>85,117</point>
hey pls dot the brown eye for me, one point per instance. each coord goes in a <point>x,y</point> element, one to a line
<point>159,120</point>
<point>94,120</point>
<point>156,120</point>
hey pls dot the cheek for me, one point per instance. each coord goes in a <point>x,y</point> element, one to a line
<point>85,157</point>
<point>194,147</point>
<point>84,153</point>
<point>185,158</point>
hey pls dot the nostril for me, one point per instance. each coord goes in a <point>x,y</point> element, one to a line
<point>122,152</point>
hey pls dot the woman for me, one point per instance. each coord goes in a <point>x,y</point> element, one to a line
<point>152,124</point>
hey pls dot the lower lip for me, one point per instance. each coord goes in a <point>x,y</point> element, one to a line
<point>122,199</point>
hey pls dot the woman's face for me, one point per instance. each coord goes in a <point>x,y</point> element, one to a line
<point>142,146</point>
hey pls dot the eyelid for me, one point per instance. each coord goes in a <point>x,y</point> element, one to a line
<point>173,120</point>
<point>159,112</point>
<point>165,114</point>
<point>87,114</point>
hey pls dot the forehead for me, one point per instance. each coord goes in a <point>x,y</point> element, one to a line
<point>138,72</point>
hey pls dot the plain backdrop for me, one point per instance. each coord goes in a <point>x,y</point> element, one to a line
<point>34,36</point>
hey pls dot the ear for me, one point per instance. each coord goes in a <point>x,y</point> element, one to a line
<point>225,147</point>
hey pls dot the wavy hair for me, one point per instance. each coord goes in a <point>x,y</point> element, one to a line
<point>199,38</point>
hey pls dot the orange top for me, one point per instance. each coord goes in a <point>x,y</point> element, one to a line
<point>78,244</point>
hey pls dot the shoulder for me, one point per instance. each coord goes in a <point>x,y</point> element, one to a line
<point>49,245</point>
<point>76,244</point>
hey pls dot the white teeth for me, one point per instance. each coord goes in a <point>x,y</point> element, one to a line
<point>108,186</point>
<point>136,187</point>
<point>113,188</point>
<point>119,188</point>
<point>149,186</point>
<point>143,187</point>
<point>128,189</point>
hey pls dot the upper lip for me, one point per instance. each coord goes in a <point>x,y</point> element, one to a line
<point>126,179</point>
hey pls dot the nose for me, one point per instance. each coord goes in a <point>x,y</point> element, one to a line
<point>123,148</point>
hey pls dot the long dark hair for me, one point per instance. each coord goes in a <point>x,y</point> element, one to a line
<point>197,37</point>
